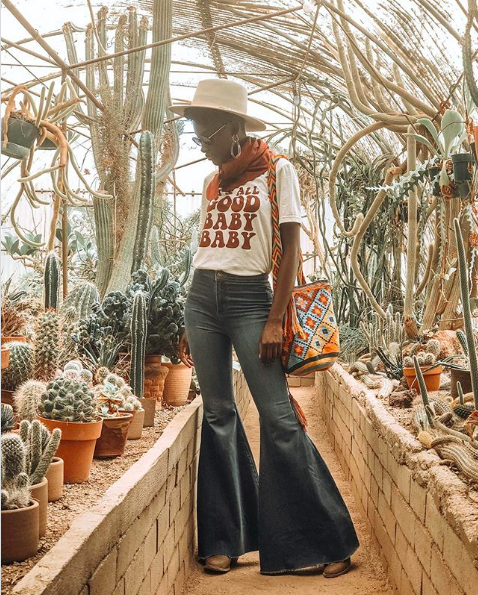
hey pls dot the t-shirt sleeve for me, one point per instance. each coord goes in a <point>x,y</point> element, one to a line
<point>288,192</point>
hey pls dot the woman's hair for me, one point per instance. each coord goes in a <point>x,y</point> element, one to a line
<point>206,115</point>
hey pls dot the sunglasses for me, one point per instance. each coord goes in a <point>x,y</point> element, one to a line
<point>206,140</point>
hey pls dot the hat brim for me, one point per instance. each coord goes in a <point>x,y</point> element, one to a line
<point>251,124</point>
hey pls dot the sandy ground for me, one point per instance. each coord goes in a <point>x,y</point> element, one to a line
<point>366,576</point>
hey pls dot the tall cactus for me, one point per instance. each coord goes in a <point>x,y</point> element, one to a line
<point>465,300</point>
<point>46,346</point>
<point>139,327</point>
<point>41,447</point>
<point>81,298</point>
<point>147,159</point>
<point>51,280</point>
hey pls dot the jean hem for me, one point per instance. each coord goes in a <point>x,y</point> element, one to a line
<point>223,554</point>
<point>308,567</point>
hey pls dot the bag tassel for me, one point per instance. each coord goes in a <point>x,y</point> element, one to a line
<point>299,413</point>
<point>291,314</point>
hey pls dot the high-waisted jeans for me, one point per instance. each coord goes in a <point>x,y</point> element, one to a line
<point>292,511</point>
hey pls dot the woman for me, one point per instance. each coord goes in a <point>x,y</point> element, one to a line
<point>294,515</point>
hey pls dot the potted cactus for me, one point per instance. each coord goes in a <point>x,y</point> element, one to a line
<point>40,449</point>
<point>5,356</point>
<point>19,370</point>
<point>27,397</point>
<point>20,512</point>
<point>70,405</point>
<point>116,422</point>
<point>427,360</point>
<point>14,317</point>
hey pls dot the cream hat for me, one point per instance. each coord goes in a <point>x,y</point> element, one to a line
<point>224,95</point>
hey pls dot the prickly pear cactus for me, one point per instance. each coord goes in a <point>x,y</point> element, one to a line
<point>20,367</point>
<point>46,346</point>
<point>68,400</point>
<point>27,398</point>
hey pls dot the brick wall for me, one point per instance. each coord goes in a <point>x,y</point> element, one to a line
<point>422,519</point>
<point>140,539</point>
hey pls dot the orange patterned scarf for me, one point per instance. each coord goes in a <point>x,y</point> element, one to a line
<point>253,162</point>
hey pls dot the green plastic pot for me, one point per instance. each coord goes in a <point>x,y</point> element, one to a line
<point>464,189</point>
<point>21,136</point>
<point>461,170</point>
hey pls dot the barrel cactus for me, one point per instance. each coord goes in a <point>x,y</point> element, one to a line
<point>20,367</point>
<point>46,346</point>
<point>41,446</point>
<point>15,484</point>
<point>81,298</point>
<point>27,398</point>
<point>68,400</point>
<point>51,281</point>
<point>8,418</point>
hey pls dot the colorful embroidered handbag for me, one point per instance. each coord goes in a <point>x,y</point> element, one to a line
<point>311,336</point>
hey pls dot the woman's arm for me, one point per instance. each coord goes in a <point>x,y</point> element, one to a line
<point>270,345</point>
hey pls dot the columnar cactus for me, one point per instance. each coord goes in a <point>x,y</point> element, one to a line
<point>15,484</point>
<point>41,447</point>
<point>147,160</point>
<point>27,398</point>
<point>465,300</point>
<point>68,400</point>
<point>20,367</point>
<point>139,328</point>
<point>81,298</point>
<point>46,346</point>
<point>51,280</point>
<point>69,326</point>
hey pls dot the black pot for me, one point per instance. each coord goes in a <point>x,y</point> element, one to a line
<point>461,171</point>
<point>49,145</point>
<point>464,189</point>
<point>433,172</point>
<point>21,136</point>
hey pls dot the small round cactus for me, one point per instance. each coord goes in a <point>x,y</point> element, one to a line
<point>68,400</point>
<point>407,362</point>
<point>20,367</point>
<point>27,398</point>
<point>101,374</point>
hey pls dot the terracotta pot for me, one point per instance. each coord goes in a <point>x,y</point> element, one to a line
<point>162,379</point>
<point>136,427</point>
<point>149,406</point>
<point>464,377</point>
<point>431,377</point>
<point>40,494</point>
<point>152,374</point>
<point>5,357</point>
<point>7,398</point>
<point>13,339</point>
<point>176,386</point>
<point>77,445</point>
<point>20,529</point>
<point>113,436</point>
<point>55,479</point>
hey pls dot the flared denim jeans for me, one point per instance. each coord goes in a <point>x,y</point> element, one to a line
<point>292,511</point>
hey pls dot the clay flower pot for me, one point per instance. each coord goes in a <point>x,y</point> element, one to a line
<point>55,479</point>
<point>149,406</point>
<point>20,532</point>
<point>162,379</point>
<point>431,377</point>
<point>5,357</point>
<point>21,136</point>
<point>176,386</point>
<point>39,493</point>
<point>13,339</point>
<point>152,373</point>
<point>462,376</point>
<point>136,426</point>
<point>113,436</point>
<point>77,446</point>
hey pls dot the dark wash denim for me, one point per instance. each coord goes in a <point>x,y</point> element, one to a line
<point>293,513</point>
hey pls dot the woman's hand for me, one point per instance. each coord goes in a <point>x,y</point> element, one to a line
<point>270,345</point>
<point>185,352</point>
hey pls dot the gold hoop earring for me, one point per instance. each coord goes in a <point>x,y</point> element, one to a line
<point>235,147</point>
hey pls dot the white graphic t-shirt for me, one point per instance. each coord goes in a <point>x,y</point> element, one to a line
<point>236,228</point>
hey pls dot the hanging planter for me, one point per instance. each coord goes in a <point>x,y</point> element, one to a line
<point>461,167</point>
<point>176,386</point>
<point>464,189</point>
<point>55,476</point>
<point>20,532</point>
<point>22,133</point>
<point>112,440</point>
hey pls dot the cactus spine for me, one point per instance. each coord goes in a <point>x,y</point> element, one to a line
<point>41,447</point>
<point>139,326</point>
<point>46,346</point>
<point>81,298</point>
<point>465,300</point>
<point>27,397</point>
<point>51,280</point>
<point>15,485</point>
<point>20,367</point>
<point>147,160</point>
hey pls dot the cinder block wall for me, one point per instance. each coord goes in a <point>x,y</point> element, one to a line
<point>140,539</point>
<point>423,523</point>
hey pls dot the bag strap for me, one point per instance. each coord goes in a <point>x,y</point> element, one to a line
<point>291,312</point>
<point>276,239</point>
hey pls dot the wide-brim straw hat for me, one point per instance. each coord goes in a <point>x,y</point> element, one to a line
<point>224,95</point>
